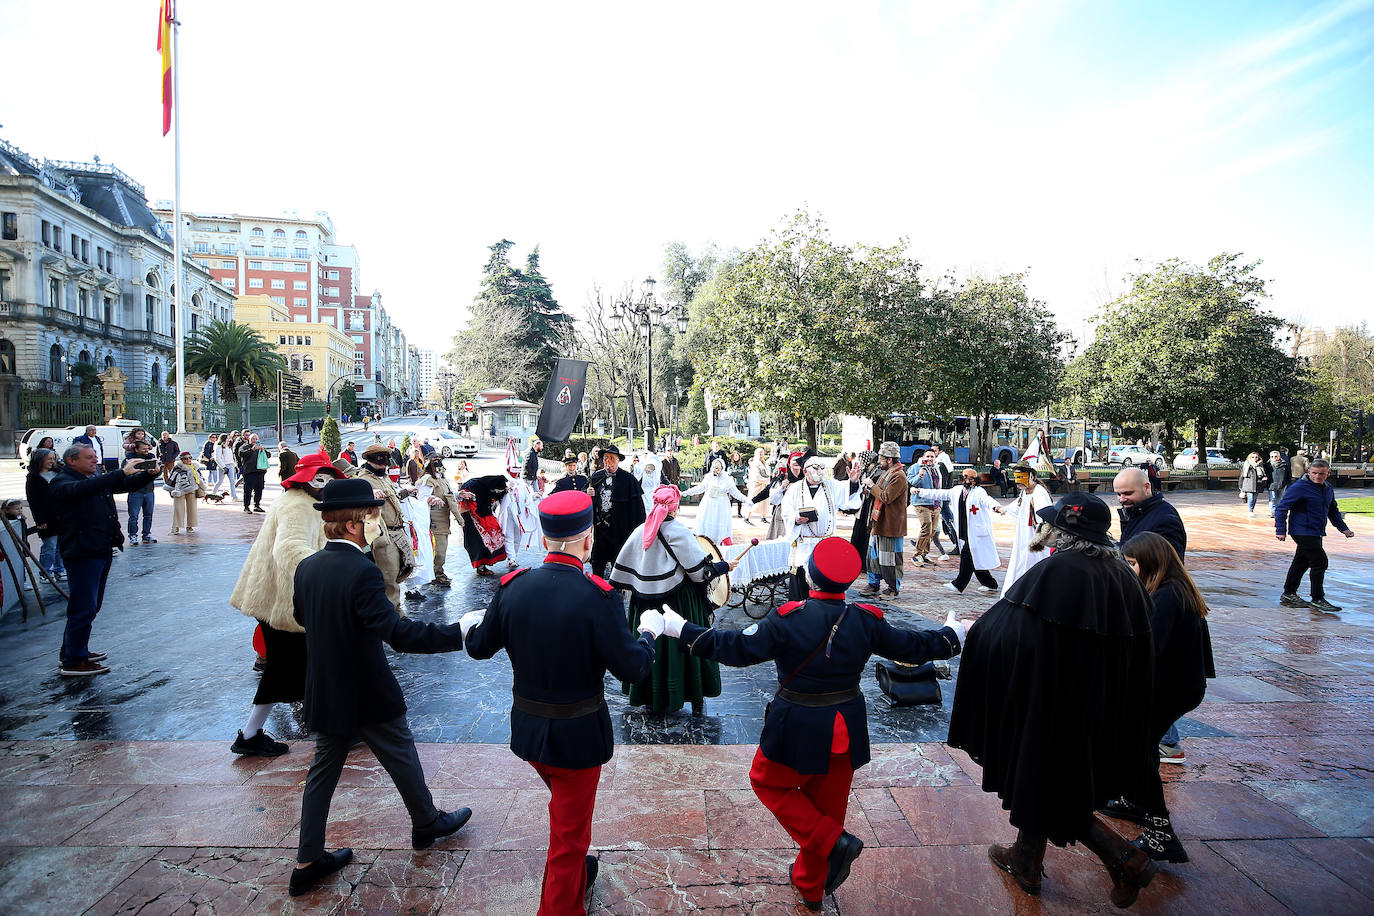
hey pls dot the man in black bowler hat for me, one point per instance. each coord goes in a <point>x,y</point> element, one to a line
<point>815,732</point>
<point>617,507</point>
<point>341,601</point>
<point>563,629</point>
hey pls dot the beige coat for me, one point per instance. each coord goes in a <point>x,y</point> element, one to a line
<point>292,531</point>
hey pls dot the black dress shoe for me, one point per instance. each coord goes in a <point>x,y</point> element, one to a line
<point>447,822</point>
<point>1126,810</point>
<point>303,879</point>
<point>847,849</point>
<point>592,868</point>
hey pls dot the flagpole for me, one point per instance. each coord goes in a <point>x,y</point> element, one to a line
<point>176,219</point>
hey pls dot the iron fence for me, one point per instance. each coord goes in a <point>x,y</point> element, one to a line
<point>154,408</point>
<point>45,408</point>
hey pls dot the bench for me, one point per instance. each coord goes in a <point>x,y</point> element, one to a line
<point>1086,479</point>
<point>1223,478</point>
<point>1352,477</point>
<point>1168,483</point>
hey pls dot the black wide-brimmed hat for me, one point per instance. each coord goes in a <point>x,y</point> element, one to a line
<point>347,493</point>
<point>1082,514</point>
<point>611,450</point>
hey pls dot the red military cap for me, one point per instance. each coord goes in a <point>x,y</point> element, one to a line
<point>834,565</point>
<point>565,514</point>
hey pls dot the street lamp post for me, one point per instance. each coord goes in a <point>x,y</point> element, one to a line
<point>649,312</point>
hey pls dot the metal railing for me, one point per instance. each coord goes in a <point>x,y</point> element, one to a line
<point>45,408</point>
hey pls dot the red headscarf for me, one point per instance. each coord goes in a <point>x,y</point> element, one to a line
<point>666,500</point>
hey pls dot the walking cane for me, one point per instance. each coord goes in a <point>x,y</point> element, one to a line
<point>23,545</point>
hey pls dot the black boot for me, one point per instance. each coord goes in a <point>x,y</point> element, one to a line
<point>1131,869</point>
<point>1126,810</point>
<point>1024,860</point>
<point>1159,841</point>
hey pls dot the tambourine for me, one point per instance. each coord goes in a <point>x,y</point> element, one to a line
<point>718,589</point>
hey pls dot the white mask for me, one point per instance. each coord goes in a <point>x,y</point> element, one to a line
<point>372,529</point>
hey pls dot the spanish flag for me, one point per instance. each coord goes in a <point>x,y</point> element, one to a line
<point>164,44</point>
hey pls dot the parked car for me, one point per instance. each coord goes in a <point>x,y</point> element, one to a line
<point>446,441</point>
<point>1186,460</point>
<point>1131,455</point>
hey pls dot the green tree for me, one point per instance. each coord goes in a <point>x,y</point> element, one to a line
<point>550,329</point>
<point>348,400</point>
<point>330,440</point>
<point>1009,357</point>
<point>235,354</point>
<point>1186,344</point>
<point>489,353</point>
<point>694,420</point>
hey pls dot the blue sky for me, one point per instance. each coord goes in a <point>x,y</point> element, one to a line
<point>1080,140</point>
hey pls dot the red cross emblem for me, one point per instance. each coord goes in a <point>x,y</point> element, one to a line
<point>973,509</point>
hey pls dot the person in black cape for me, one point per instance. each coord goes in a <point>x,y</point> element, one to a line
<point>1053,699</point>
<point>482,537</point>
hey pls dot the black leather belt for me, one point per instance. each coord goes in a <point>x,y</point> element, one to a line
<point>559,710</point>
<point>834,698</point>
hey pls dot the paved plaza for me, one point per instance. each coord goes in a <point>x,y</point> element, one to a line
<point>121,796</point>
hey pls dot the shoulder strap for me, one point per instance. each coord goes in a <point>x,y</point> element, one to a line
<point>824,644</point>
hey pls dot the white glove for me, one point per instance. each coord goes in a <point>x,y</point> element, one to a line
<point>470,620</point>
<point>958,628</point>
<point>672,622</point>
<point>651,622</point>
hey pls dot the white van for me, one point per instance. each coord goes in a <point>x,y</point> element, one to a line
<point>111,437</point>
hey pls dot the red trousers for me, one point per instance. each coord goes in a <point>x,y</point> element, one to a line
<point>811,809</point>
<point>571,805</point>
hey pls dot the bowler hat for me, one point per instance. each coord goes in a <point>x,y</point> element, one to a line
<point>347,493</point>
<point>1081,514</point>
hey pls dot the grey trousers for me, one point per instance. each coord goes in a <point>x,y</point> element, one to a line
<point>394,746</point>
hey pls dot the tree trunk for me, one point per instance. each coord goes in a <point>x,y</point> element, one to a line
<point>1200,443</point>
<point>630,419</point>
<point>979,432</point>
<point>811,439</point>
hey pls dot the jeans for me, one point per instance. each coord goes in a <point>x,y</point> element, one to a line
<point>1171,736</point>
<point>1274,497</point>
<point>86,583</point>
<point>230,473</point>
<point>1309,555</point>
<point>252,488</point>
<point>140,504</point>
<point>49,557</point>
<point>1250,500</point>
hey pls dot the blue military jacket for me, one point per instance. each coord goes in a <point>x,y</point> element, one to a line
<point>800,736</point>
<point>563,629</point>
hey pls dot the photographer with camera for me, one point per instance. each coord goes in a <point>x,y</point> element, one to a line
<point>89,526</point>
<point>141,500</point>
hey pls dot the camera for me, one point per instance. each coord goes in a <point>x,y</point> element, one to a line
<point>148,465</point>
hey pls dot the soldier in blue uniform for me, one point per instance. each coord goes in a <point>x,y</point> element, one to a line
<point>563,629</point>
<point>815,732</point>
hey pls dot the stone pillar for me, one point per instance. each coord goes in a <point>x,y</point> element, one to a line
<point>243,392</point>
<point>112,384</point>
<point>195,403</point>
<point>10,430</point>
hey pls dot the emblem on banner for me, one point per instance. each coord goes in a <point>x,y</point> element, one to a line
<point>565,396</point>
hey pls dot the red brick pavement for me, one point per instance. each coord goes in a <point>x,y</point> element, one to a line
<point>1278,816</point>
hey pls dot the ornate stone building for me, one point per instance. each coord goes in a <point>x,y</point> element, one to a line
<point>86,275</point>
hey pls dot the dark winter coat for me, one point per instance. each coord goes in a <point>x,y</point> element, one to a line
<point>1053,696</point>
<point>1158,515</point>
<point>1306,507</point>
<point>1183,658</point>
<point>340,600</point>
<point>87,520</point>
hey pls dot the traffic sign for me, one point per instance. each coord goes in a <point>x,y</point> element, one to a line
<point>469,407</point>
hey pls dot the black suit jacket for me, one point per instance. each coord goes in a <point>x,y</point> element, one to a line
<point>341,601</point>
<point>563,629</point>
<point>86,517</point>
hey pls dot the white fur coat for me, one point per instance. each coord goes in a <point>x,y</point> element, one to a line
<point>292,531</point>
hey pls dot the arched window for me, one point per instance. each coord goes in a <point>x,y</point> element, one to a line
<point>300,235</point>
<point>55,363</point>
<point>155,375</point>
<point>278,233</point>
<point>257,232</point>
<point>109,361</point>
<point>152,280</point>
<point>85,356</point>
<point>7,362</point>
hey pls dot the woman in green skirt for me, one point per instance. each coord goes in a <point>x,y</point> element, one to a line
<point>662,564</point>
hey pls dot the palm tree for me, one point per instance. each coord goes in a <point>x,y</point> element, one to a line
<point>235,354</point>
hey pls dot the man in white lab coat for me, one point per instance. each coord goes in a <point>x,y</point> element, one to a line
<point>1031,498</point>
<point>972,508</point>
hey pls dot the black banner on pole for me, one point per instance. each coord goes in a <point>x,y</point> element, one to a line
<point>562,400</point>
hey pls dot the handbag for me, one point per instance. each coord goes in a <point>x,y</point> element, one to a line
<point>908,685</point>
<point>263,460</point>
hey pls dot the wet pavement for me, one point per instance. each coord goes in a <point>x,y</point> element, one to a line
<point>121,796</point>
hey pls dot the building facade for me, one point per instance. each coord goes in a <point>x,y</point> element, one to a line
<point>86,275</point>
<point>317,351</point>
<point>424,376</point>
